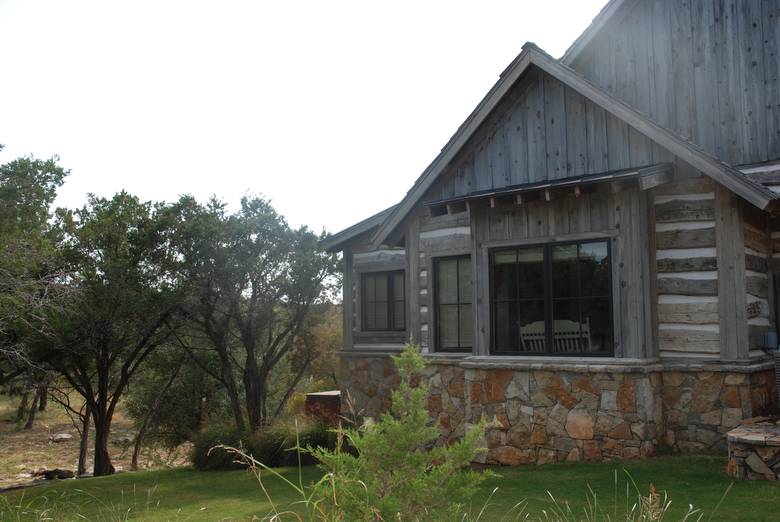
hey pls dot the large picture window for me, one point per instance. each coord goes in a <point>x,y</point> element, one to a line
<point>452,296</point>
<point>383,301</point>
<point>552,299</point>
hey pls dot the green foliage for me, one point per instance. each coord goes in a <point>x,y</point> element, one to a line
<point>208,456</point>
<point>30,279</point>
<point>396,469</point>
<point>192,399</point>
<point>273,445</point>
<point>254,287</point>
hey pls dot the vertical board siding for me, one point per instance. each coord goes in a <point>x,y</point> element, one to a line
<point>706,69</point>
<point>549,132</point>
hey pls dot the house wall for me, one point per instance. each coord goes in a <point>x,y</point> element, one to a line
<point>707,70</point>
<point>620,216</point>
<point>687,269</point>
<point>359,258</point>
<point>554,412</point>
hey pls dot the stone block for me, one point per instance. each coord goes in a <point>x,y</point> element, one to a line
<point>511,456</point>
<point>621,431</point>
<point>591,450</point>
<point>626,396</point>
<point>557,390</point>
<point>756,463</point>
<point>579,424</point>
<point>574,455</point>
<point>730,397</point>
<point>609,400</point>
<point>518,387</point>
<point>731,417</point>
<point>711,417</point>
<point>705,393</point>
<point>735,379</point>
<point>546,456</point>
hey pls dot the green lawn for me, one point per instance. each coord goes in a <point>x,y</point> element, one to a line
<point>184,494</point>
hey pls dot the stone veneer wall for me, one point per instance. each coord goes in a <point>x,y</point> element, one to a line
<point>542,413</point>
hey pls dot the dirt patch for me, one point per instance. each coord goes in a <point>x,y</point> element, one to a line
<point>25,452</point>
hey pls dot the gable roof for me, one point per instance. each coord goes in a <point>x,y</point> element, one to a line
<point>332,243</point>
<point>719,171</point>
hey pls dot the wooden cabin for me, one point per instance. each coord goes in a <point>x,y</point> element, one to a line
<point>590,262</point>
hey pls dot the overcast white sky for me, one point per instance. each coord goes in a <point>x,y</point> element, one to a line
<point>329,108</point>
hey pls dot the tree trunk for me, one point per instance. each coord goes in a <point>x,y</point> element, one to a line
<point>235,404</point>
<point>43,397</point>
<point>148,419</point>
<point>22,410</point>
<point>84,445</point>
<point>33,409</point>
<point>102,464</point>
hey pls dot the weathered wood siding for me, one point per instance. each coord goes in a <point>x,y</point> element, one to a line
<point>440,236</point>
<point>543,131</point>
<point>758,279</point>
<point>707,69</point>
<point>620,216</point>
<point>361,258</point>
<point>687,269</point>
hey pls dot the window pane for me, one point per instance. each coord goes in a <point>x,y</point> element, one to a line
<point>381,287</point>
<point>370,287</point>
<point>398,285</point>
<point>596,323</point>
<point>594,267</point>
<point>464,278</point>
<point>447,281</point>
<point>505,275</point>
<point>370,316</point>
<point>566,326</point>
<point>532,328</point>
<point>399,318</point>
<point>448,326</point>
<point>466,326</point>
<point>380,316</point>
<point>506,326</point>
<point>564,271</point>
<point>531,272</point>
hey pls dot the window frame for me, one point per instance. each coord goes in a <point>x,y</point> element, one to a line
<point>435,304</point>
<point>548,298</point>
<point>389,276</point>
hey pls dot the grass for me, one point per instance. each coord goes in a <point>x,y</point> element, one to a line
<point>184,494</point>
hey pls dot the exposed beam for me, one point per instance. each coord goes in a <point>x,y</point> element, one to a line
<point>655,176</point>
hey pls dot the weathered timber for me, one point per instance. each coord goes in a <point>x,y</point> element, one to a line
<point>686,238</point>
<point>680,286</point>
<point>732,301</point>
<point>682,210</point>
<point>755,263</point>
<point>690,264</point>
<point>757,286</point>
<point>692,313</point>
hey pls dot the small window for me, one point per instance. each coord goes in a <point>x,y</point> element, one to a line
<point>453,314</point>
<point>383,301</point>
<point>552,299</point>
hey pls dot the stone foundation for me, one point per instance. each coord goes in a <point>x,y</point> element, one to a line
<point>553,412</point>
<point>754,451</point>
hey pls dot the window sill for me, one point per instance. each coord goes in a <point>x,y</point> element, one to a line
<point>562,363</point>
